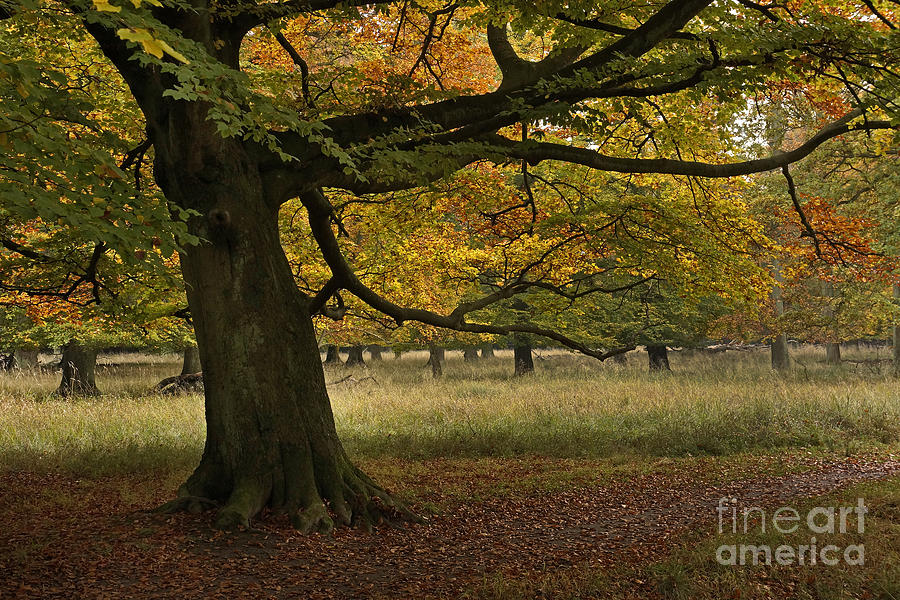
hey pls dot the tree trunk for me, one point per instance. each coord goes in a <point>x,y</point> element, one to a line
<point>658,355</point>
<point>780,355</point>
<point>78,364</point>
<point>191,361</point>
<point>833,347</point>
<point>833,353</point>
<point>398,354</point>
<point>270,433</point>
<point>375,352</point>
<point>333,355</point>
<point>435,360</point>
<point>24,359</point>
<point>487,351</point>
<point>897,333</point>
<point>470,354</point>
<point>524,361</point>
<point>355,357</point>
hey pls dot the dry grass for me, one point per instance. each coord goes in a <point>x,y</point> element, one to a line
<point>571,408</point>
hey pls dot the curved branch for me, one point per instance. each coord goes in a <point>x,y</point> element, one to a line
<point>319,210</point>
<point>535,152</point>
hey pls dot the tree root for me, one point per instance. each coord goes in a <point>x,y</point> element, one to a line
<point>349,500</point>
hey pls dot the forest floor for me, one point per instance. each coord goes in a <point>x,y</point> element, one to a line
<point>524,497</point>
<point>71,538</point>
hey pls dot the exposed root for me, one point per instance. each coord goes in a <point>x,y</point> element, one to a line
<point>192,504</point>
<point>315,503</point>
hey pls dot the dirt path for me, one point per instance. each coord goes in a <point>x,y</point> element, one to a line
<point>106,550</point>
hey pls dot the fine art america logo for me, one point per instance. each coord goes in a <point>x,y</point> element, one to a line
<point>820,520</point>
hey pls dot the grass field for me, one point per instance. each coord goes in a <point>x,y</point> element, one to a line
<point>479,434</point>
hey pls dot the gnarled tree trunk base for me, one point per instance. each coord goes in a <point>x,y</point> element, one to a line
<point>317,496</point>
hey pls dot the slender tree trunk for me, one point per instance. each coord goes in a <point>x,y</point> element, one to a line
<point>375,352</point>
<point>78,365</point>
<point>658,355</point>
<point>522,356</point>
<point>470,355</point>
<point>24,359</point>
<point>398,354</point>
<point>355,356</point>
<point>780,355</point>
<point>832,347</point>
<point>487,351</point>
<point>897,333</point>
<point>435,360</point>
<point>333,355</point>
<point>191,363</point>
<point>270,435</point>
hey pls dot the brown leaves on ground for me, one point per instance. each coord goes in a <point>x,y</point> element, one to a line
<point>63,537</point>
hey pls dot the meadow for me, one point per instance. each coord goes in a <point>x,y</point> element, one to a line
<point>479,435</point>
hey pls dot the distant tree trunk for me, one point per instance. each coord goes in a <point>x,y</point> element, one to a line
<point>355,356</point>
<point>435,358</point>
<point>191,363</point>
<point>780,356</point>
<point>332,355</point>
<point>524,361</point>
<point>833,347</point>
<point>897,334</point>
<point>833,353</point>
<point>24,359</point>
<point>487,351</point>
<point>398,354</point>
<point>375,352</point>
<point>659,357</point>
<point>470,354</point>
<point>78,365</point>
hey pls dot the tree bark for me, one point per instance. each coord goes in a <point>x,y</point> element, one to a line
<point>191,363</point>
<point>355,356</point>
<point>487,351</point>
<point>333,355</point>
<point>78,365</point>
<point>435,360</point>
<point>522,356</point>
<point>375,352</point>
<point>470,354</point>
<point>658,355</point>
<point>270,436</point>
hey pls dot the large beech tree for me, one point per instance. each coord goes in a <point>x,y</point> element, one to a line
<point>654,87</point>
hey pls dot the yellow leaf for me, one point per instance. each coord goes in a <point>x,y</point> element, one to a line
<point>105,6</point>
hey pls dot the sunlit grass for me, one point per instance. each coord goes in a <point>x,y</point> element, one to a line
<point>571,408</point>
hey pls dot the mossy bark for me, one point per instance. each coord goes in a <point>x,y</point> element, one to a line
<point>487,351</point>
<point>270,437</point>
<point>78,371</point>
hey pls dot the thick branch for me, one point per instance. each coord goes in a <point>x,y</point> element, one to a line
<point>535,152</point>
